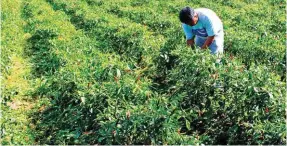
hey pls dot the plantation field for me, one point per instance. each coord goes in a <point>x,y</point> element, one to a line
<point>119,72</point>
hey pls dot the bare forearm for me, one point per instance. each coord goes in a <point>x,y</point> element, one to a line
<point>208,42</point>
<point>190,42</point>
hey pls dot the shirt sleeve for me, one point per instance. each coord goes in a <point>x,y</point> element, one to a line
<point>188,32</point>
<point>210,27</point>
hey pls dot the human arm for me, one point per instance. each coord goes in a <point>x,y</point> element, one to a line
<point>212,27</point>
<point>189,35</point>
<point>208,42</point>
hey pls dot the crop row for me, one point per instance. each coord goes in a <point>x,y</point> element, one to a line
<point>244,37</point>
<point>117,123</point>
<point>14,81</point>
<point>231,86</point>
<point>143,48</point>
<point>13,40</point>
<point>12,33</point>
<point>95,70</point>
<point>228,101</point>
<point>91,91</point>
<point>116,35</point>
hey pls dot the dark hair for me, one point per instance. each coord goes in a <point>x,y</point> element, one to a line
<point>186,14</point>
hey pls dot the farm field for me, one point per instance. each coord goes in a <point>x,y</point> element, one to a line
<point>80,72</point>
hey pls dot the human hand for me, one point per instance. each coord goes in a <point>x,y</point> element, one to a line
<point>204,47</point>
<point>190,42</point>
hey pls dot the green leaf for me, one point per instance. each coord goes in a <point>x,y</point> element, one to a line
<point>250,75</point>
<point>83,99</point>
<point>101,139</point>
<point>187,124</point>
<point>118,73</point>
<point>77,135</point>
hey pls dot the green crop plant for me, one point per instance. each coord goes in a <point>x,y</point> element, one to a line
<point>230,95</point>
<point>119,72</point>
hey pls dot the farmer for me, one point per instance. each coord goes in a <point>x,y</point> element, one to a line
<point>204,26</point>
